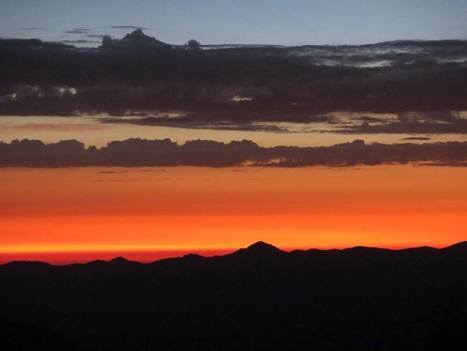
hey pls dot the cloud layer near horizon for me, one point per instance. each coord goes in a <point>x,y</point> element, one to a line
<point>141,152</point>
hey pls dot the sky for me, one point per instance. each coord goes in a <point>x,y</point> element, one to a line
<point>412,195</point>
<point>240,21</point>
<point>143,213</point>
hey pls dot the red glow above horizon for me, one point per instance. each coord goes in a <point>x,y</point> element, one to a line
<point>82,214</point>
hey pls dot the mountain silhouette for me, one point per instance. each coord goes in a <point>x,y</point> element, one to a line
<point>462,246</point>
<point>119,261</point>
<point>256,298</point>
<point>259,249</point>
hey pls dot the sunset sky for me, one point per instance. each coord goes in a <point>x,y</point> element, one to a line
<point>233,174</point>
<point>148,213</point>
<point>118,139</point>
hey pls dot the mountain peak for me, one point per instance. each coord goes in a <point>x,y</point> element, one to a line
<point>261,245</point>
<point>260,248</point>
<point>119,260</point>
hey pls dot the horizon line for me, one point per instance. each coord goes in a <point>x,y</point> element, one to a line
<point>201,252</point>
<point>239,44</point>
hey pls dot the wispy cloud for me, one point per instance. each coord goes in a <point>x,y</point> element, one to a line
<point>77,31</point>
<point>54,127</point>
<point>431,122</point>
<point>129,27</point>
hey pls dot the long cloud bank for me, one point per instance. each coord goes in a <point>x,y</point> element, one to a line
<point>242,83</point>
<point>166,153</point>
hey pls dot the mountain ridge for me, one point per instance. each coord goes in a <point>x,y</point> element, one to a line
<point>256,298</point>
<point>258,250</point>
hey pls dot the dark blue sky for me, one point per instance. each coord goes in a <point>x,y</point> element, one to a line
<point>240,21</point>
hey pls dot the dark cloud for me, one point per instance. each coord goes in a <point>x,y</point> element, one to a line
<point>385,54</point>
<point>279,85</point>
<point>110,172</point>
<point>369,119</point>
<point>450,164</point>
<point>158,170</point>
<point>434,116</point>
<point>129,27</point>
<point>77,31</point>
<point>192,123</point>
<point>428,122</point>
<point>416,138</point>
<point>141,152</point>
<point>79,41</point>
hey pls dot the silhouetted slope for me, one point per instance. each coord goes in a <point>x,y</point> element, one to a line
<point>258,250</point>
<point>258,298</point>
<point>459,247</point>
<point>16,336</point>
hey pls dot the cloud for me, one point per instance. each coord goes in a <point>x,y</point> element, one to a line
<point>385,54</point>
<point>166,153</point>
<point>129,27</point>
<point>157,170</point>
<point>416,138</point>
<point>282,87</point>
<point>79,41</point>
<point>369,119</point>
<point>449,164</point>
<point>77,31</point>
<point>192,123</point>
<point>427,122</point>
<point>111,172</point>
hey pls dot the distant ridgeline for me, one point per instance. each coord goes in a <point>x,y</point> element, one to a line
<point>258,298</point>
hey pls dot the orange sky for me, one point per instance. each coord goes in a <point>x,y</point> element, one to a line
<point>64,215</point>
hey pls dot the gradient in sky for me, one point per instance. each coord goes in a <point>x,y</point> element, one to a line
<point>241,21</point>
<point>77,214</point>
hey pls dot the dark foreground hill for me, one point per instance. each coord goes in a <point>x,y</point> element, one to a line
<point>258,298</point>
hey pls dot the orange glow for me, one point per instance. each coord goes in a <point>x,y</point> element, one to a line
<point>65,215</point>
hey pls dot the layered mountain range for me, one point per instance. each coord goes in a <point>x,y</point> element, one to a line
<point>257,298</point>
